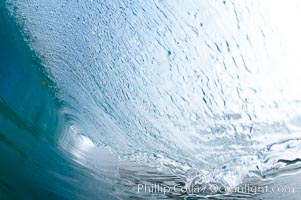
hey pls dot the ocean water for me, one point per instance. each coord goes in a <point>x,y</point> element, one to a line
<point>158,99</point>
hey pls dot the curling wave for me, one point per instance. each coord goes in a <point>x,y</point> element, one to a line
<point>207,90</point>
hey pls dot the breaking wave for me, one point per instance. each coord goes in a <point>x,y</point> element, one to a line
<point>198,91</point>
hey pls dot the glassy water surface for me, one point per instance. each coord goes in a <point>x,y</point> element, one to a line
<point>150,99</point>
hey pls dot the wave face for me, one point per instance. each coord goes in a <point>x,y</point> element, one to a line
<point>206,90</point>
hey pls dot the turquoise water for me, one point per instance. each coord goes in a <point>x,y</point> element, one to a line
<point>32,167</point>
<point>98,98</point>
